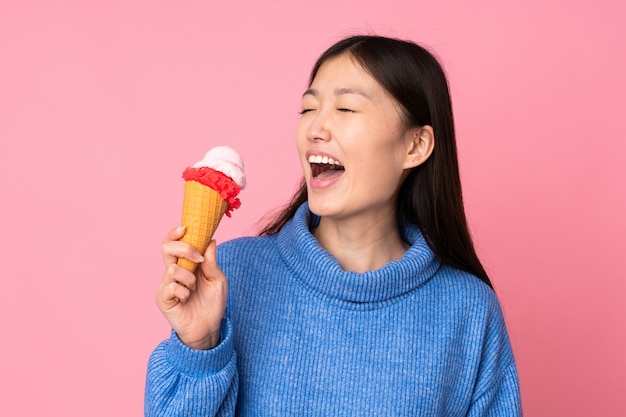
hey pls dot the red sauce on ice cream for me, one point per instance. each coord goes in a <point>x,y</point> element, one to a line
<point>223,184</point>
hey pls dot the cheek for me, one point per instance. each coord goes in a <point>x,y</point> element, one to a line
<point>387,158</point>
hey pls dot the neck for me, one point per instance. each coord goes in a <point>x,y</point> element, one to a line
<point>361,246</point>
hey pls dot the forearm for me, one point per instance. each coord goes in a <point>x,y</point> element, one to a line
<point>182,381</point>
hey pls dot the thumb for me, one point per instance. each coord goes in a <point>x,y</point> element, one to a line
<point>210,268</point>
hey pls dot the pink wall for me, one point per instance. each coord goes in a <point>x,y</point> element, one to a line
<point>102,106</point>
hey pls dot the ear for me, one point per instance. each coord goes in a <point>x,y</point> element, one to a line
<point>420,145</point>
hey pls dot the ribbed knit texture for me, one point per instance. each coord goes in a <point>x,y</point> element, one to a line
<point>414,338</point>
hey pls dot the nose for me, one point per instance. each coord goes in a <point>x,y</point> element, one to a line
<point>319,129</point>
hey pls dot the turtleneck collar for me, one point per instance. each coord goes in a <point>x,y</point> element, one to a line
<point>319,270</point>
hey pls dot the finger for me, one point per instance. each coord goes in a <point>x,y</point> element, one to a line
<point>210,269</point>
<point>176,273</point>
<point>172,294</point>
<point>173,235</point>
<point>174,249</point>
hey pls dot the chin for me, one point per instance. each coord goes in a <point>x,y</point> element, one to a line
<point>321,208</point>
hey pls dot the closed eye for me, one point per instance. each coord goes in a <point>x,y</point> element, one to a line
<point>344,110</point>
<point>304,111</point>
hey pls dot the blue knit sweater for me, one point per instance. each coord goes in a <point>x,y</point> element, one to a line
<point>302,337</point>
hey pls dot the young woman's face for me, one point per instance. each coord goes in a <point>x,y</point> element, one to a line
<point>352,142</point>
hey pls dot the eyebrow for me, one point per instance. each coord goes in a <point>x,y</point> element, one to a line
<point>338,91</point>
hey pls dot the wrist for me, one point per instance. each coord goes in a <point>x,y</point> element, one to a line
<point>201,362</point>
<point>209,342</point>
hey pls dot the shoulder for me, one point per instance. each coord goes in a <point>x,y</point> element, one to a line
<point>245,248</point>
<point>248,262</point>
<point>469,302</point>
<point>464,288</point>
<point>244,243</point>
<point>482,313</point>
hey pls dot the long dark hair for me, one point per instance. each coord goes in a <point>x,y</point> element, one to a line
<point>430,196</point>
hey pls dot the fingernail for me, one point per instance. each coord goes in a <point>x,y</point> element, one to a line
<point>198,257</point>
<point>181,229</point>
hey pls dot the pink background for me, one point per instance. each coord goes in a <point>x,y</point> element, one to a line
<point>102,104</point>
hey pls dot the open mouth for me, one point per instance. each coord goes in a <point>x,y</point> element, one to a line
<point>324,166</point>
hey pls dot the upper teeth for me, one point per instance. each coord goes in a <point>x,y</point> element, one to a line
<point>319,159</point>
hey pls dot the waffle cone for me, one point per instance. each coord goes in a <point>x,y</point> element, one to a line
<point>203,209</point>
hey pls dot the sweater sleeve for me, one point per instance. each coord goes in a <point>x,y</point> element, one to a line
<point>503,399</point>
<point>186,382</point>
<point>497,391</point>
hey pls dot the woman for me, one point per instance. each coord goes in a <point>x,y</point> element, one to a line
<point>365,296</point>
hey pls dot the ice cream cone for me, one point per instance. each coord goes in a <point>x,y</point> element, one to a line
<point>203,208</point>
<point>211,188</point>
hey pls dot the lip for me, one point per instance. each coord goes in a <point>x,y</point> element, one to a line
<point>320,184</point>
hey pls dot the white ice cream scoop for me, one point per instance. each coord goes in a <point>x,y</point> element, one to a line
<point>225,160</point>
